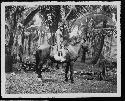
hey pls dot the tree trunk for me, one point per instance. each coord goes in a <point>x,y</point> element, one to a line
<point>8,56</point>
<point>23,37</point>
<point>98,50</point>
<point>11,41</point>
<point>29,43</point>
<point>8,63</point>
<point>99,47</point>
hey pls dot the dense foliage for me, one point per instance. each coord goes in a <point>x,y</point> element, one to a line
<point>21,36</point>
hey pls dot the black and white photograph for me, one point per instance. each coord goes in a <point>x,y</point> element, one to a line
<point>60,49</point>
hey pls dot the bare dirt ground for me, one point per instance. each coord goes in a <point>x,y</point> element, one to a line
<point>53,82</point>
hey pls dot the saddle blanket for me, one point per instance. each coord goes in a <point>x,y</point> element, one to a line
<point>59,58</point>
<point>58,55</point>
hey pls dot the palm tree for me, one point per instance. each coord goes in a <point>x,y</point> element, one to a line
<point>12,16</point>
<point>68,15</point>
<point>91,26</point>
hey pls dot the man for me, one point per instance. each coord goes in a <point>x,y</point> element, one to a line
<point>60,48</point>
<point>85,49</point>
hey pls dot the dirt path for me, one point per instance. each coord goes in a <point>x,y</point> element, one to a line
<point>53,82</point>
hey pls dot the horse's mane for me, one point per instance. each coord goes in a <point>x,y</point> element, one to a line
<point>74,48</point>
<point>76,43</point>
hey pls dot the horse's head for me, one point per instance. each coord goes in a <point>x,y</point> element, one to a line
<point>74,50</point>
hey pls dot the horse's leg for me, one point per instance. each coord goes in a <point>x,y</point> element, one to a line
<point>103,72</point>
<point>51,64</point>
<point>38,69</point>
<point>71,71</point>
<point>37,62</point>
<point>62,65</point>
<point>66,71</point>
<point>57,66</point>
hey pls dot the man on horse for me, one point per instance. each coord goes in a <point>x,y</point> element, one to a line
<point>58,50</point>
<point>58,54</point>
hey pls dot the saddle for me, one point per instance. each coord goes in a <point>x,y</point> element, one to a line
<point>59,55</point>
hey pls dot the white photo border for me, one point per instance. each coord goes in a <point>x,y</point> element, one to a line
<point>59,95</point>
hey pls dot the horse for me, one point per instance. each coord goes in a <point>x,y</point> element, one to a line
<point>72,52</point>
